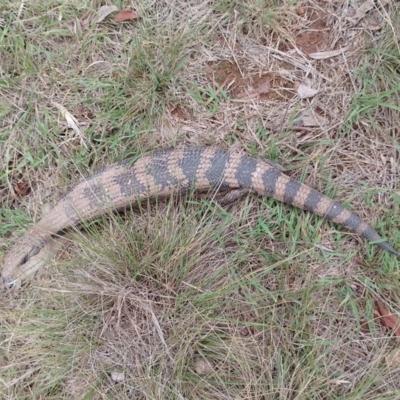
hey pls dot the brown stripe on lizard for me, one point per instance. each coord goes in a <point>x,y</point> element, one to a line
<point>159,174</point>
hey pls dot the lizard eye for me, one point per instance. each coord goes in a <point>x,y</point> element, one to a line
<point>25,259</point>
<point>35,250</point>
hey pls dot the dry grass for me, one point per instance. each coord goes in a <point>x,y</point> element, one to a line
<point>187,299</point>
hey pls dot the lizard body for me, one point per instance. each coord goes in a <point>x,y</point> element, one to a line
<point>160,173</point>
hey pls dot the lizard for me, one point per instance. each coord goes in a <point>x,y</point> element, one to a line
<point>159,173</point>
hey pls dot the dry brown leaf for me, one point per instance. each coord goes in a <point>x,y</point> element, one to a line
<point>322,55</point>
<point>22,188</point>
<point>203,367</point>
<point>104,12</point>
<point>373,25</point>
<point>262,86</point>
<point>72,122</point>
<point>305,91</point>
<point>390,320</point>
<point>117,376</point>
<point>314,120</point>
<point>300,11</point>
<point>177,113</point>
<point>125,16</point>
<point>310,118</point>
<point>362,11</point>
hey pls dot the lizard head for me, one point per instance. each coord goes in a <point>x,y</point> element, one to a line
<point>24,259</point>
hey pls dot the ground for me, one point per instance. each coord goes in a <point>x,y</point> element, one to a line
<point>186,298</point>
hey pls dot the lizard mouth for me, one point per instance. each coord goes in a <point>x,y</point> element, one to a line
<point>10,283</point>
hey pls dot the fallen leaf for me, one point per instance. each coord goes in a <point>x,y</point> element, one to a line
<point>300,11</point>
<point>309,118</point>
<point>314,120</point>
<point>117,376</point>
<point>72,122</point>
<point>262,86</point>
<point>22,188</point>
<point>104,12</point>
<point>202,366</point>
<point>322,55</point>
<point>373,25</point>
<point>362,11</point>
<point>386,318</point>
<point>177,113</point>
<point>305,91</point>
<point>125,16</point>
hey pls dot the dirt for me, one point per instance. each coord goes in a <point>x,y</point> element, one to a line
<point>242,84</point>
<point>317,36</point>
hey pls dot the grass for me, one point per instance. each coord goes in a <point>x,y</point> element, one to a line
<point>185,298</point>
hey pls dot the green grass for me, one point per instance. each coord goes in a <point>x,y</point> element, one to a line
<point>150,304</point>
<point>377,79</point>
<point>185,298</point>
